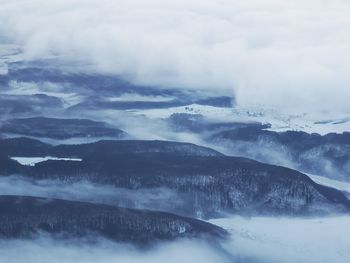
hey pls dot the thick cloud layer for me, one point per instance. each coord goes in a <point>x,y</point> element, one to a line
<point>281,53</point>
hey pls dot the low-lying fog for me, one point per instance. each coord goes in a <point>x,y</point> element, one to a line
<point>155,198</point>
<point>44,249</point>
<point>253,240</point>
<point>289,240</point>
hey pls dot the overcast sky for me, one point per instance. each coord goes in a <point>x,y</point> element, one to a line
<point>290,53</point>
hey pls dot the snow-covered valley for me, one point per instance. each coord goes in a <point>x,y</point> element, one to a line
<point>280,120</point>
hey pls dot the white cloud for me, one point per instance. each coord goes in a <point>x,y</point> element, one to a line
<point>45,249</point>
<point>289,53</point>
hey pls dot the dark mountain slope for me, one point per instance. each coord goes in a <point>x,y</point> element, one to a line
<point>24,216</point>
<point>59,128</point>
<point>9,166</point>
<point>29,148</point>
<point>24,147</point>
<point>207,186</point>
<point>135,147</point>
<point>206,182</point>
<point>327,155</point>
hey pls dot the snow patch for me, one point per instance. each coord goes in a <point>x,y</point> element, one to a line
<point>31,161</point>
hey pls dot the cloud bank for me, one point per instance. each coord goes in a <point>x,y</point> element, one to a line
<point>45,249</point>
<point>279,53</point>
